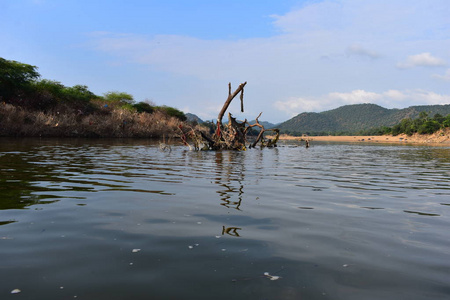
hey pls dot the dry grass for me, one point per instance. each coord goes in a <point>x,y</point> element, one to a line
<point>116,122</point>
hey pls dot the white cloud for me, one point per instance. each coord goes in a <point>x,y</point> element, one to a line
<point>445,77</point>
<point>355,97</point>
<point>313,17</point>
<point>421,60</point>
<point>389,99</point>
<point>203,59</point>
<point>293,106</point>
<point>356,49</point>
<point>307,56</point>
<point>395,95</point>
<point>428,97</point>
<point>306,35</point>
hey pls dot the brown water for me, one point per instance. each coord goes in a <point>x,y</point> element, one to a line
<point>121,219</point>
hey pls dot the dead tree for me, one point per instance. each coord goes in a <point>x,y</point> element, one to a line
<point>232,136</point>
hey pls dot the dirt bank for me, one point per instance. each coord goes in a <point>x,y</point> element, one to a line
<point>439,138</point>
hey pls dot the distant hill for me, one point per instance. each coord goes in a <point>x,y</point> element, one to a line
<point>351,119</point>
<point>193,118</point>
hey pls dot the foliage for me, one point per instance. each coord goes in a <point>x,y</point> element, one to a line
<point>421,125</point>
<point>143,107</point>
<point>33,107</point>
<point>54,88</point>
<point>360,119</point>
<point>446,122</point>
<point>53,94</point>
<point>119,97</point>
<point>15,79</point>
<point>19,85</point>
<point>78,93</point>
<point>173,112</point>
<point>428,127</point>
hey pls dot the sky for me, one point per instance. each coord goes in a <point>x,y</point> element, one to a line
<point>296,56</point>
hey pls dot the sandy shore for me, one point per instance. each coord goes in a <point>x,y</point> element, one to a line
<point>439,138</point>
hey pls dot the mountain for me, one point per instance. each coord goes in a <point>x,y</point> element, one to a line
<point>351,119</point>
<point>193,118</point>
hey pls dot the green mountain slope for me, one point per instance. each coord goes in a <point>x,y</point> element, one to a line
<point>351,119</point>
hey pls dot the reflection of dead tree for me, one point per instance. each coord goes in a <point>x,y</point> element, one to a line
<point>163,146</point>
<point>232,136</point>
<point>306,139</point>
<point>226,196</point>
<point>230,172</point>
<point>231,231</point>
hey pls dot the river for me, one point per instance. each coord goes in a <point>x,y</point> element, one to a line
<point>123,219</point>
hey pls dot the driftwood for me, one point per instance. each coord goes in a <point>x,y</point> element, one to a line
<point>232,136</point>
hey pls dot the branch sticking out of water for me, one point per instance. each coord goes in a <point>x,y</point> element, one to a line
<point>232,136</point>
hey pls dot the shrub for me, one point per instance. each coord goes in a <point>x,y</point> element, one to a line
<point>173,112</point>
<point>16,79</point>
<point>429,127</point>
<point>119,97</point>
<point>446,122</point>
<point>144,107</point>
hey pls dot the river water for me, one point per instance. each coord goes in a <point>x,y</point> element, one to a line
<point>122,219</point>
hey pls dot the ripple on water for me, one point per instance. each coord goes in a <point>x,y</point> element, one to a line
<point>336,221</point>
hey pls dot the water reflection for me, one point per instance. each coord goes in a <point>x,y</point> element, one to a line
<point>421,213</point>
<point>19,179</point>
<point>334,219</point>
<point>230,175</point>
<point>231,231</point>
<point>7,222</point>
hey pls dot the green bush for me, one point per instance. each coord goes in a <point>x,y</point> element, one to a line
<point>173,112</point>
<point>58,95</point>
<point>446,122</point>
<point>16,80</point>
<point>429,127</point>
<point>422,125</point>
<point>439,118</point>
<point>144,107</point>
<point>119,97</point>
<point>78,93</point>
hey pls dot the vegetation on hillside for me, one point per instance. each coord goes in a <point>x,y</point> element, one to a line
<point>421,125</point>
<point>31,106</point>
<point>356,119</point>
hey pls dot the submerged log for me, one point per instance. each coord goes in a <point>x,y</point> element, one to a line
<point>232,136</point>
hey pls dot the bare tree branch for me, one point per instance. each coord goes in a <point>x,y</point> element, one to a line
<point>233,136</point>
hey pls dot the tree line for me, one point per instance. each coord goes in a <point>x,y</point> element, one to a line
<point>21,85</point>
<point>424,124</point>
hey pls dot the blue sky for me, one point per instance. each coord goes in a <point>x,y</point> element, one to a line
<point>296,56</point>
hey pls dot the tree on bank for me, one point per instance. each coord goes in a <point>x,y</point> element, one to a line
<point>421,125</point>
<point>119,97</point>
<point>16,79</point>
<point>31,106</point>
<point>20,86</point>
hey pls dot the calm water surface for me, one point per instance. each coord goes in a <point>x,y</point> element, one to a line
<point>119,219</point>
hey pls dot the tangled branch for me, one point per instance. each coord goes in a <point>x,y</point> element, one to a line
<point>232,136</point>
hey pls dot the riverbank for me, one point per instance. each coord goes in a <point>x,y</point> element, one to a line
<point>105,123</point>
<point>441,137</point>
